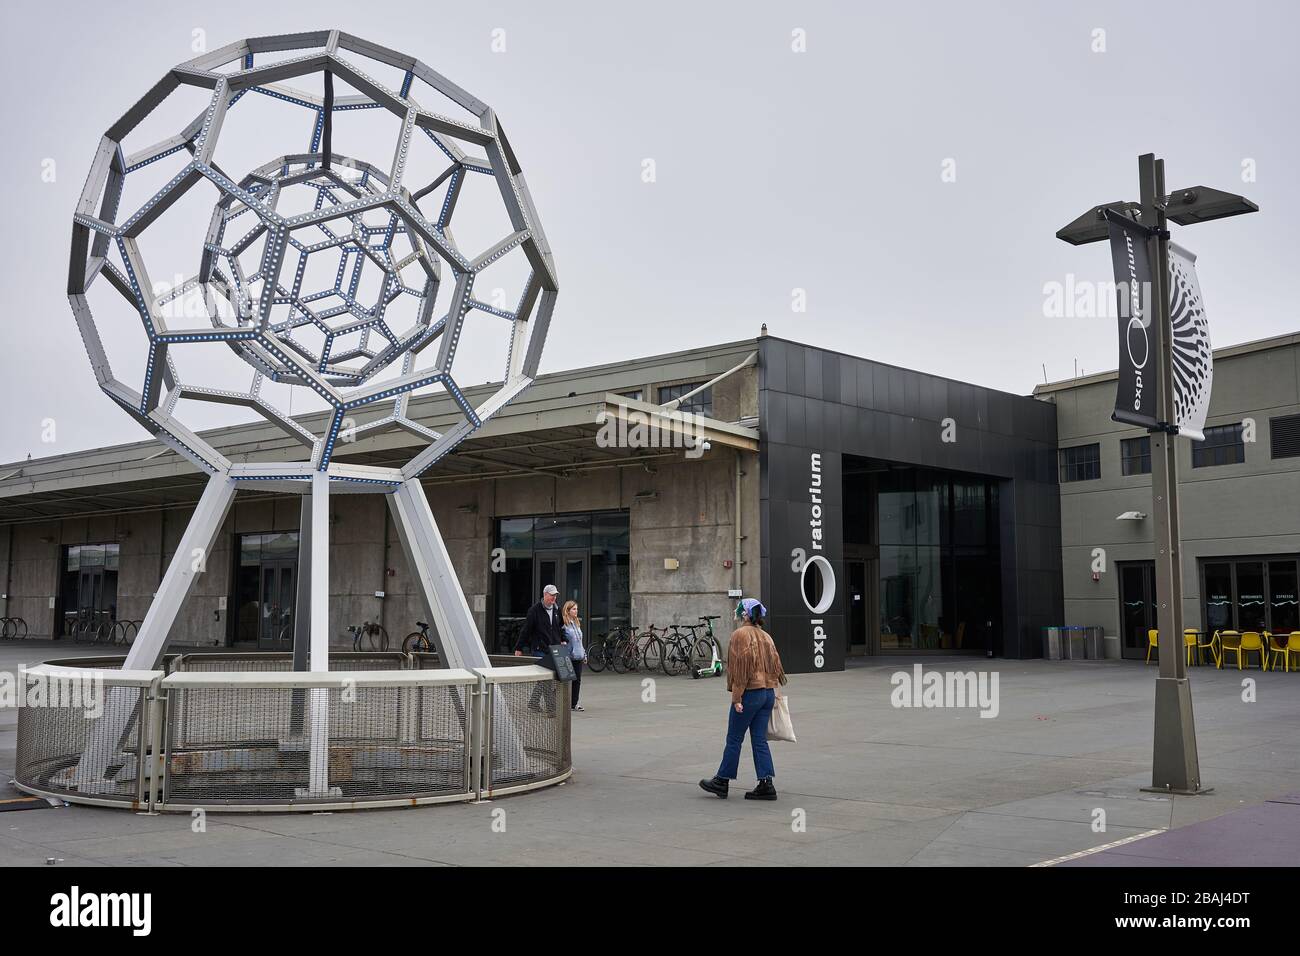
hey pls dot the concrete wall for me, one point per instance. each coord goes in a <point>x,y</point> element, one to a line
<point>1248,508</point>
<point>692,520</point>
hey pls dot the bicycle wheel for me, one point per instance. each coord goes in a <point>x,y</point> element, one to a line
<point>653,655</point>
<point>676,660</point>
<point>636,651</point>
<point>619,659</point>
<point>130,631</point>
<point>381,637</point>
<point>4,628</point>
<point>596,655</point>
<point>702,652</point>
<point>415,643</point>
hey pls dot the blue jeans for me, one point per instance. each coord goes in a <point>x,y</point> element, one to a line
<point>758,709</point>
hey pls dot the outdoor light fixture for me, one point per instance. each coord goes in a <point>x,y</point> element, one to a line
<point>1201,204</point>
<point>1091,226</point>
<point>1164,387</point>
<point>645,496</point>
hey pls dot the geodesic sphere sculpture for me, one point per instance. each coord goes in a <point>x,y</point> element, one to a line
<point>324,270</point>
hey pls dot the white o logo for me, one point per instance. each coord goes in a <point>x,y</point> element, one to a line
<point>827,577</point>
<point>1146,345</point>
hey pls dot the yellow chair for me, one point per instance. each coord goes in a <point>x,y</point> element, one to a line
<point>1194,645</point>
<point>1153,643</point>
<point>1250,641</point>
<point>1212,645</point>
<point>1284,645</point>
<point>1228,641</point>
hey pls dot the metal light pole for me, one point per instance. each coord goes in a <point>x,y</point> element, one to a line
<point>1175,764</point>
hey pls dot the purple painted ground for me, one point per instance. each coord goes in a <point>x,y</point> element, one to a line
<point>1265,835</point>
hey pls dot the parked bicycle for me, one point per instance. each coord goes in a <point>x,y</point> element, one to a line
<point>418,642</point>
<point>673,649</point>
<point>368,636</point>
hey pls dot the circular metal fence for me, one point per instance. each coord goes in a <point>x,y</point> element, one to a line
<point>246,732</point>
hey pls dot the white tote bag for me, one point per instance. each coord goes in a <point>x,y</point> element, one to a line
<point>779,724</point>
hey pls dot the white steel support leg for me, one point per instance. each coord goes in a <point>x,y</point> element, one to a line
<point>456,636</point>
<point>189,561</point>
<point>319,752</point>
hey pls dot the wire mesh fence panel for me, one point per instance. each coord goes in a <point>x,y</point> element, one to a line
<point>256,744</point>
<point>280,662</point>
<point>239,663</point>
<point>57,747</point>
<point>530,723</point>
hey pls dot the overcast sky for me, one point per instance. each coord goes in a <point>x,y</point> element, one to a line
<point>907,169</point>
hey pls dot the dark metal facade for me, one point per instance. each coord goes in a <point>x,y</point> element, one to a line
<point>816,406</point>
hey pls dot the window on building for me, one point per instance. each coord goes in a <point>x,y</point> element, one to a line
<point>1284,436</point>
<point>700,403</point>
<point>1251,593</point>
<point>1080,463</point>
<point>634,394</point>
<point>1136,455</point>
<point>1222,446</point>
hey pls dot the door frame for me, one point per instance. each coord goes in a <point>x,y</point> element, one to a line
<point>561,556</point>
<point>1149,591</point>
<point>233,592</point>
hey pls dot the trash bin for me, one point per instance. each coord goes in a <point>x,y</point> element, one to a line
<point>1052,643</point>
<point>1074,644</point>
<point>1095,643</point>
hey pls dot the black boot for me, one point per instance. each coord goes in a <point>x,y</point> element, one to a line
<point>717,786</point>
<point>764,791</point>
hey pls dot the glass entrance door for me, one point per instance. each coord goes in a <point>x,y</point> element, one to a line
<point>567,571</point>
<point>1137,597</point>
<point>265,592</point>
<point>278,599</point>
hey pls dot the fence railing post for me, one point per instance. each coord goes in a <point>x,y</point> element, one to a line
<point>157,716</point>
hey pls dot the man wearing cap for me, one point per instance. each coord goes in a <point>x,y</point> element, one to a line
<point>542,627</point>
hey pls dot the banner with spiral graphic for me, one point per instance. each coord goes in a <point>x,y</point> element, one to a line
<point>1135,398</point>
<point>1193,362</point>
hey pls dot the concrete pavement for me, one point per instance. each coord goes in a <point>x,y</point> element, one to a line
<point>867,783</point>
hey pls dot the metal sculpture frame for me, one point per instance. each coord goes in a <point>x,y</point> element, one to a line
<point>347,189</point>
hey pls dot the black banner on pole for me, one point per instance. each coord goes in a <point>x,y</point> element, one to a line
<point>1135,399</point>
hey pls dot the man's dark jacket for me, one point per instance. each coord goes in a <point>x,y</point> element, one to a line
<point>539,631</point>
